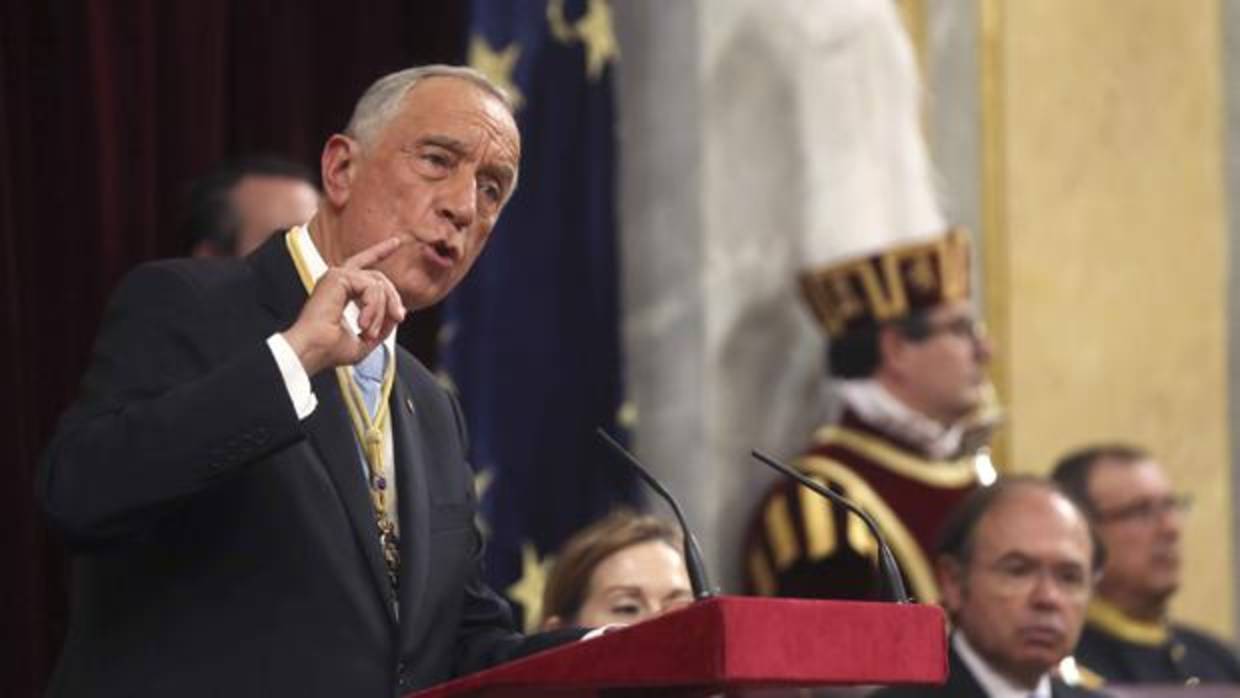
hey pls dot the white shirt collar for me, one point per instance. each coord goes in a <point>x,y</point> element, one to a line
<point>316,266</point>
<point>992,682</point>
<point>873,403</point>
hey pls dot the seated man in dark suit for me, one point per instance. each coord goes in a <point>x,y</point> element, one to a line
<point>1129,637</point>
<point>1016,564</point>
<point>264,494</point>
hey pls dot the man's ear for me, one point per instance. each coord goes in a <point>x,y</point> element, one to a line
<point>339,165</point>
<point>951,582</point>
<point>892,348</point>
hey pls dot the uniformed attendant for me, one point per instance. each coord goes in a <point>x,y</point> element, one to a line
<point>910,356</point>
<point>1129,636</point>
<point>887,280</point>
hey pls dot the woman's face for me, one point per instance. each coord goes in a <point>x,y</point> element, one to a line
<point>635,583</point>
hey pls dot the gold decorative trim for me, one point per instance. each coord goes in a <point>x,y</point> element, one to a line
<point>860,538</point>
<point>1115,622</point>
<point>819,523</point>
<point>780,533</point>
<point>886,293</point>
<point>294,251</point>
<point>831,289</point>
<point>1089,678</point>
<point>1074,673</point>
<point>373,432</point>
<point>945,473</point>
<point>994,234</point>
<point>912,561</point>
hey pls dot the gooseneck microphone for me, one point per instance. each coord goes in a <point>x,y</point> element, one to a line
<point>887,561</point>
<point>698,579</point>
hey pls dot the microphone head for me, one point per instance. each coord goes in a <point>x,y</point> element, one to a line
<point>698,577</point>
<point>891,575</point>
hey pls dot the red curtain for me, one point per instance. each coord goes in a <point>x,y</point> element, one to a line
<point>106,110</point>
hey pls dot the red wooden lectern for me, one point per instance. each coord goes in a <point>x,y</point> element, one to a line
<point>735,645</point>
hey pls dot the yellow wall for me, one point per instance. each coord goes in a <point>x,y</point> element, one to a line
<point>1105,247</point>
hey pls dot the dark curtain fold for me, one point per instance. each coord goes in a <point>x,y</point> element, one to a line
<point>107,109</point>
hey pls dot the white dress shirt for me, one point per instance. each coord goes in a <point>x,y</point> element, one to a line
<point>992,682</point>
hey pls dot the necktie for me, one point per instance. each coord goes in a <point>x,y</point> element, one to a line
<point>368,374</point>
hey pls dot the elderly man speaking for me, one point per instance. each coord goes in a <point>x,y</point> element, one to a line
<point>264,494</point>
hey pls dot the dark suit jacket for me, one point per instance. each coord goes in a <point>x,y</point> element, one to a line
<point>961,684</point>
<point>1186,655</point>
<point>222,547</point>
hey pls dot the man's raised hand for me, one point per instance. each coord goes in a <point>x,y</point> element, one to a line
<point>321,337</point>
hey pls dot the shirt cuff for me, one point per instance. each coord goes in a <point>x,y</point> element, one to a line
<point>602,630</point>
<point>296,382</point>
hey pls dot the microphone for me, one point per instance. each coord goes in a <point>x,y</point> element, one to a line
<point>698,579</point>
<point>886,561</point>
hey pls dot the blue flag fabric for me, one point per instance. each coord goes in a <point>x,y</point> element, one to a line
<point>531,338</point>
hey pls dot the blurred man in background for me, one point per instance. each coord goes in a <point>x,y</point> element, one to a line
<point>235,207</point>
<point>1016,564</point>
<point>1129,636</point>
<point>911,358</point>
<point>888,281</point>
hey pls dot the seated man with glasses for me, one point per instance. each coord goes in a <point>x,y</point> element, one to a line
<point>909,359</point>
<point>1016,563</point>
<point>1129,637</point>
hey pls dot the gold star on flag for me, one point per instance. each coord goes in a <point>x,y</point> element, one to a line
<point>595,30</point>
<point>497,65</point>
<point>528,590</point>
<point>482,482</point>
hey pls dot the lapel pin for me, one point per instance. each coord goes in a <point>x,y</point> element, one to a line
<point>409,405</point>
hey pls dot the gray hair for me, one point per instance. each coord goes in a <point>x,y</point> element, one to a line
<point>381,101</point>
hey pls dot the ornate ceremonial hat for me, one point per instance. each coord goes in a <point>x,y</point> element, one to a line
<point>875,244</point>
<point>868,290</point>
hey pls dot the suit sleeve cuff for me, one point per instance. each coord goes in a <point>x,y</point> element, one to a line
<point>296,382</point>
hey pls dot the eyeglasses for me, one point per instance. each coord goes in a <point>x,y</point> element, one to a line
<point>964,326</point>
<point>1147,511</point>
<point>1018,575</point>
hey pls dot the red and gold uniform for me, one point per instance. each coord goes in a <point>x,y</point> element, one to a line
<point>905,470</point>
<point>801,545</point>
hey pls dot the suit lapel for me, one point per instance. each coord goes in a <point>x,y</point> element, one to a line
<point>331,434</point>
<point>336,444</point>
<point>280,290</point>
<point>413,500</point>
<point>960,681</point>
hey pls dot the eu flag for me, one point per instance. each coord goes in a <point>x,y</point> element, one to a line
<point>531,338</point>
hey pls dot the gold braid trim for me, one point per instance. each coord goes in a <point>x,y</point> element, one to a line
<point>936,473</point>
<point>913,561</point>
<point>873,287</point>
<point>369,430</point>
<point>1113,621</point>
